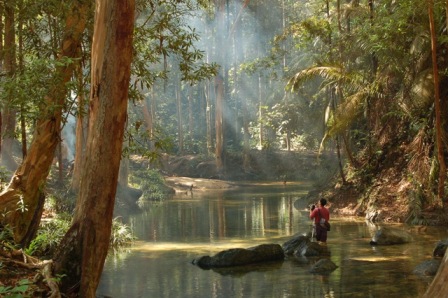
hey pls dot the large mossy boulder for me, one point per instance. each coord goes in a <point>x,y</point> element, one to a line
<point>390,236</point>
<point>241,256</point>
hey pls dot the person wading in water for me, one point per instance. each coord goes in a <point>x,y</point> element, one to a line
<point>316,214</point>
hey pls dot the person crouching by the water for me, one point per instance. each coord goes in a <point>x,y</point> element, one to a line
<point>316,214</point>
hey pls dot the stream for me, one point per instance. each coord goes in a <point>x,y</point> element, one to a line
<point>173,232</point>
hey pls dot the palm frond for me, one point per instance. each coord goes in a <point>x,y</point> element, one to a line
<point>331,73</point>
<point>347,112</point>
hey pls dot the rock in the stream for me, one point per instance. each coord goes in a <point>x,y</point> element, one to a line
<point>323,266</point>
<point>302,246</point>
<point>439,250</point>
<point>390,236</point>
<point>241,256</point>
<point>428,268</point>
<point>312,249</point>
<point>297,242</point>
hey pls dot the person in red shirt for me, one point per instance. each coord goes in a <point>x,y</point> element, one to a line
<point>318,214</point>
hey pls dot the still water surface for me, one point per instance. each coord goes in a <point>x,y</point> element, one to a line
<point>174,232</point>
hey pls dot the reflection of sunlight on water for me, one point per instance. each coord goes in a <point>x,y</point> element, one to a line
<point>379,258</point>
<point>193,247</point>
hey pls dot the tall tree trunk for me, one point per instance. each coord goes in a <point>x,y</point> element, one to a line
<point>286,96</point>
<point>2,10</point>
<point>439,130</point>
<point>219,84</point>
<point>338,145</point>
<point>208,104</point>
<point>27,184</point>
<point>1,65</point>
<point>80,135</point>
<point>191,131</point>
<point>260,115</point>
<point>180,132</point>
<point>208,117</point>
<point>9,112</point>
<point>246,134</point>
<point>219,88</point>
<point>83,250</point>
<point>21,67</point>
<point>148,115</point>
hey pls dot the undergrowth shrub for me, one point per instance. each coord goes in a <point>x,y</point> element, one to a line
<point>121,235</point>
<point>52,231</point>
<point>152,184</point>
<point>17,291</point>
<point>48,236</point>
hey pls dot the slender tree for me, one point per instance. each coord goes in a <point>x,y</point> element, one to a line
<point>80,134</point>
<point>83,250</point>
<point>219,85</point>
<point>10,65</point>
<point>438,122</point>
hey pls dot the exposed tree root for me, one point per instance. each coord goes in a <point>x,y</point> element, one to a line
<point>12,258</point>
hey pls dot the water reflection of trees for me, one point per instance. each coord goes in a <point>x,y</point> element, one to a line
<point>183,228</point>
<point>216,217</point>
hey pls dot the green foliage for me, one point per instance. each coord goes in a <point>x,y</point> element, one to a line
<point>162,34</point>
<point>25,90</point>
<point>48,236</point>
<point>139,141</point>
<point>6,234</point>
<point>152,184</point>
<point>52,231</point>
<point>18,291</point>
<point>417,200</point>
<point>4,176</point>
<point>121,235</point>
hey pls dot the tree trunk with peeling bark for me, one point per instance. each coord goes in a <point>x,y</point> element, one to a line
<point>26,188</point>
<point>83,250</point>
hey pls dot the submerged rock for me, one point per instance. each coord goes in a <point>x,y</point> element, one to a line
<point>428,268</point>
<point>323,266</point>
<point>313,249</point>
<point>390,236</point>
<point>440,249</point>
<point>241,256</point>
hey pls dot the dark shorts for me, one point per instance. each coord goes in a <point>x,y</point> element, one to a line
<point>321,233</point>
